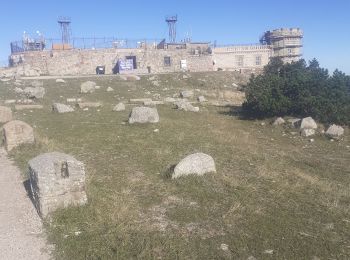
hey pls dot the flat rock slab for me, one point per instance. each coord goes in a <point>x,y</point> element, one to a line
<point>26,107</point>
<point>62,108</point>
<point>89,104</point>
<point>5,114</point>
<point>140,100</point>
<point>21,231</point>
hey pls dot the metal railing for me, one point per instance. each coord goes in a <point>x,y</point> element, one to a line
<point>83,43</point>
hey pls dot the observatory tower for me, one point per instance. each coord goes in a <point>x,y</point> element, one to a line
<point>171,21</point>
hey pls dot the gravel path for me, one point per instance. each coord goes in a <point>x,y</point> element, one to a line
<point>21,231</point>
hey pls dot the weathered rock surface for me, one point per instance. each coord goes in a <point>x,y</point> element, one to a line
<point>5,114</point>
<point>16,133</point>
<point>35,92</point>
<point>89,104</point>
<point>307,132</point>
<point>27,107</point>
<point>308,123</point>
<point>57,180</point>
<point>202,99</point>
<point>144,115</point>
<point>61,108</point>
<point>87,87</point>
<point>197,163</point>
<point>109,89</point>
<point>335,131</point>
<point>186,94</point>
<point>185,106</point>
<point>279,121</point>
<point>119,107</point>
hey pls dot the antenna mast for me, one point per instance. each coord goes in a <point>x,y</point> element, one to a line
<point>171,21</point>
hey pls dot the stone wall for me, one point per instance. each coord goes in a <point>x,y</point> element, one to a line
<point>80,62</point>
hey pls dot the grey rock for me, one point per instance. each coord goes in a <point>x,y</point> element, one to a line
<point>308,123</point>
<point>35,92</point>
<point>119,107</point>
<point>197,163</point>
<point>109,89</point>
<point>140,100</point>
<point>186,94</point>
<point>144,115</point>
<point>307,132</point>
<point>87,87</point>
<point>57,180</point>
<point>16,133</point>
<point>202,99</point>
<point>279,121</point>
<point>61,108</point>
<point>335,131</point>
<point>60,81</point>
<point>185,106</point>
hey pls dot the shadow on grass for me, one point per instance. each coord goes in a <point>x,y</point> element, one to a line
<point>169,171</point>
<point>237,111</point>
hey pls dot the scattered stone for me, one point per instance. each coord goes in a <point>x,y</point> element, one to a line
<point>153,103</point>
<point>156,130</point>
<point>57,180</point>
<point>87,87</point>
<point>335,131</point>
<point>269,251</point>
<point>312,140</point>
<point>119,107</point>
<point>72,100</point>
<point>109,89</point>
<point>307,132</point>
<point>97,87</point>
<point>234,85</point>
<point>197,163</point>
<point>202,99</point>
<point>89,104</point>
<point>156,83</point>
<point>62,108</point>
<point>25,107</point>
<point>60,81</point>
<point>169,100</point>
<point>186,94</point>
<point>308,123</point>
<point>16,133</point>
<point>140,100</point>
<point>295,122</point>
<point>262,124</point>
<point>5,114</point>
<point>24,101</point>
<point>144,115</point>
<point>86,109</point>
<point>279,121</point>
<point>37,84</point>
<point>148,92</point>
<point>185,76</point>
<point>10,101</point>
<point>185,106</point>
<point>224,247</point>
<point>36,92</point>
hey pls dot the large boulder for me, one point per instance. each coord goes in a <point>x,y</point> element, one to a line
<point>5,114</point>
<point>144,115</point>
<point>335,131</point>
<point>61,108</point>
<point>57,180</point>
<point>197,163</point>
<point>306,132</point>
<point>16,133</point>
<point>185,106</point>
<point>308,123</point>
<point>34,92</point>
<point>87,87</point>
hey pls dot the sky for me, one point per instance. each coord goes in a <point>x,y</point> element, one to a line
<point>326,23</point>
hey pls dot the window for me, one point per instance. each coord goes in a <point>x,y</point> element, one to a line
<point>239,60</point>
<point>167,61</point>
<point>258,60</point>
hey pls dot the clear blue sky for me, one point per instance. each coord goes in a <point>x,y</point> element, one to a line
<point>326,23</point>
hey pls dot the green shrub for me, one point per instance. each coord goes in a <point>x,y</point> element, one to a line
<point>298,89</point>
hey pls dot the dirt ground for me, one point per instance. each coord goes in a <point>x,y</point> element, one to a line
<point>21,231</point>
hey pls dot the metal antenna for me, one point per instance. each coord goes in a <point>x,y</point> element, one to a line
<point>64,23</point>
<point>171,21</point>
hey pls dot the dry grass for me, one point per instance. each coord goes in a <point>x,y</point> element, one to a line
<point>273,190</point>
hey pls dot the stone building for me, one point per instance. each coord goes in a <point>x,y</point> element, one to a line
<point>162,57</point>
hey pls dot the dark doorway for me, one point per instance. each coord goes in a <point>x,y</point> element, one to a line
<point>133,58</point>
